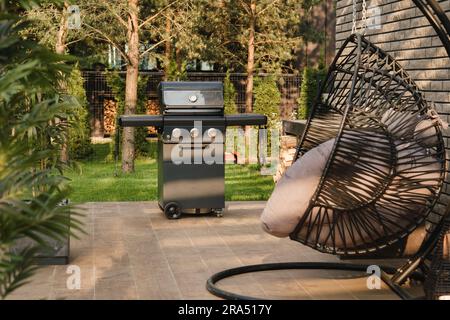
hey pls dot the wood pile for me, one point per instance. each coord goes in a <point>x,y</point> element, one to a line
<point>109,116</point>
<point>152,108</point>
<point>287,153</point>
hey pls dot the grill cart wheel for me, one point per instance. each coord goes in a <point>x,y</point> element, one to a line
<point>172,210</point>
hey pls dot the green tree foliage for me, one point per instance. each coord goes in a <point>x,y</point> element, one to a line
<point>117,84</point>
<point>79,136</point>
<point>309,88</point>
<point>180,30</point>
<point>229,95</point>
<point>46,24</point>
<point>49,27</point>
<point>254,36</point>
<point>176,72</point>
<point>31,136</point>
<point>226,25</point>
<point>267,100</point>
<point>131,27</point>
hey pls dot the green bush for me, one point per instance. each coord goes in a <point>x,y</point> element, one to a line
<point>267,100</point>
<point>229,96</point>
<point>175,72</point>
<point>79,141</point>
<point>117,84</point>
<point>308,90</point>
<point>32,134</point>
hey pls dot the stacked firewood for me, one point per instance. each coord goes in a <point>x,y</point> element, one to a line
<point>109,116</point>
<point>287,154</point>
<point>152,108</point>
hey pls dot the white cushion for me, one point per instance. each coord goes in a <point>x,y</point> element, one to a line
<point>406,125</point>
<point>400,124</point>
<point>425,134</point>
<point>293,192</point>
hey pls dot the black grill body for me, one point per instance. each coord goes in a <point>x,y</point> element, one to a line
<point>192,119</point>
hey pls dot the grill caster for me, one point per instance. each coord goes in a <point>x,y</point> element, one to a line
<point>218,212</point>
<point>172,211</point>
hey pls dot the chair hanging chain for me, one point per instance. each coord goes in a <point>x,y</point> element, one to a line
<point>354,17</point>
<point>364,17</point>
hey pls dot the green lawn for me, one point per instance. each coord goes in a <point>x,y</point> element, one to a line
<point>95,180</point>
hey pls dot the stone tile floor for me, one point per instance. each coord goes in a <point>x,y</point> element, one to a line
<point>131,251</point>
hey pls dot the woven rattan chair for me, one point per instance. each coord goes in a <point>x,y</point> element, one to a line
<point>378,185</point>
<point>386,170</point>
<point>437,284</point>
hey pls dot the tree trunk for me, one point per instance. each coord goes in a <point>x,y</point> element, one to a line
<point>250,71</point>
<point>168,48</point>
<point>61,36</point>
<point>131,85</point>
<point>60,48</point>
<point>250,59</point>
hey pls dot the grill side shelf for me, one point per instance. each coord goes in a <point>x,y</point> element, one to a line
<point>141,121</point>
<point>247,119</point>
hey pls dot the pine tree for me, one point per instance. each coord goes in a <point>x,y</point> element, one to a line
<point>268,100</point>
<point>254,36</point>
<point>309,88</point>
<point>131,27</point>
<point>229,95</point>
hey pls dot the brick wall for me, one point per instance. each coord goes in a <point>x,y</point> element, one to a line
<point>406,34</point>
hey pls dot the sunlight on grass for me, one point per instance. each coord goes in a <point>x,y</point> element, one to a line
<point>96,181</point>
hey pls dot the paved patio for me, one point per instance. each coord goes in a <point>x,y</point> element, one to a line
<point>131,251</point>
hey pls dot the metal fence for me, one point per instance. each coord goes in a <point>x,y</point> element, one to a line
<point>97,91</point>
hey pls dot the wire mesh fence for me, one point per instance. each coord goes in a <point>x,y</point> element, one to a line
<point>99,93</point>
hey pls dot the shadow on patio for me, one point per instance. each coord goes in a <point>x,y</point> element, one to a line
<point>132,251</point>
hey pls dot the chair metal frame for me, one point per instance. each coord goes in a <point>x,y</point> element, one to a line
<point>346,124</point>
<point>362,196</point>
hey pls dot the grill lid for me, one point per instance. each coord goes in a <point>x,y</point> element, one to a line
<point>192,96</point>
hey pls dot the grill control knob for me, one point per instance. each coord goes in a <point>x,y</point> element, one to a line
<point>176,133</point>
<point>212,133</point>
<point>195,132</point>
<point>193,98</point>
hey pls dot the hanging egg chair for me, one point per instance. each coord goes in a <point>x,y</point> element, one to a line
<point>369,169</point>
<point>386,164</point>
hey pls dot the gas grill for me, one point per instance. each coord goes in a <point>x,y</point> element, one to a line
<point>191,137</point>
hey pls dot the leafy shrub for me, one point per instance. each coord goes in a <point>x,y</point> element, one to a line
<point>229,96</point>
<point>153,149</point>
<point>32,134</point>
<point>267,100</point>
<point>79,141</point>
<point>117,84</point>
<point>175,72</point>
<point>308,90</point>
